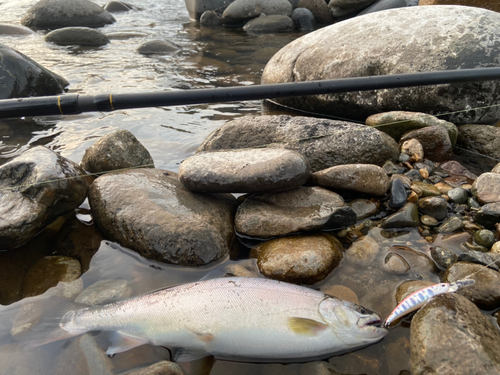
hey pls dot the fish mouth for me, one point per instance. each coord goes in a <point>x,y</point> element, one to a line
<point>373,324</point>
<point>374,321</point>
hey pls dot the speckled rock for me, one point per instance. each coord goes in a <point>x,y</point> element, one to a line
<point>443,256</point>
<point>276,214</point>
<point>176,226</point>
<point>117,150</point>
<point>300,260</point>
<point>480,138</point>
<point>407,216</point>
<point>485,292</point>
<point>362,252</point>
<point>455,318</point>
<point>462,32</point>
<point>104,291</point>
<point>325,143</point>
<point>270,24</point>
<point>157,47</point>
<point>488,215</point>
<point>80,36</point>
<point>28,201</point>
<point>363,178</point>
<point>240,11</point>
<point>413,149</point>
<point>487,188</point>
<point>49,271</point>
<point>433,206</point>
<point>244,171</point>
<point>434,140</point>
<point>484,237</point>
<point>55,14</point>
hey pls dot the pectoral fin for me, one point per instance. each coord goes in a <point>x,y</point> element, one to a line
<point>304,326</point>
<point>121,342</point>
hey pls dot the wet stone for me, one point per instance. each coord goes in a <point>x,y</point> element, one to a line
<point>496,247</point>
<point>362,252</point>
<point>484,237</point>
<point>473,203</point>
<point>460,209</point>
<point>49,271</point>
<point>240,11</point>
<point>488,215</point>
<point>157,47</point>
<point>433,206</point>
<point>363,208</point>
<point>458,195</point>
<point>8,29</point>
<point>485,292</point>
<point>486,188</point>
<point>443,256</point>
<point>305,209</point>
<point>396,264</point>
<point>428,190</point>
<point>341,292</point>
<point>119,149</point>
<point>390,168</point>
<point>244,171</point>
<point>489,259</point>
<point>428,220</point>
<point>302,260</point>
<point>435,141</point>
<point>413,149</point>
<point>270,24</point>
<point>451,224</point>
<point>474,247</point>
<point>453,167</point>
<point>398,194</point>
<point>210,18</point>
<point>414,175</point>
<point>450,316</point>
<point>80,36</point>
<point>103,291</point>
<point>118,6</point>
<point>407,216</point>
<point>304,19</point>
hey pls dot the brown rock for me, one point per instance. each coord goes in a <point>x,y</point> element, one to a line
<point>435,141</point>
<point>413,149</point>
<point>319,9</point>
<point>341,292</point>
<point>487,188</point>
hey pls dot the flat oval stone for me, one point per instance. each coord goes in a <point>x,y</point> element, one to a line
<point>244,171</point>
<point>396,264</point>
<point>487,188</point>
<point>364,178</point>
<point>157,47</point>
<point>428,190</point>
<point>80,36</point>
<point>304,209</point>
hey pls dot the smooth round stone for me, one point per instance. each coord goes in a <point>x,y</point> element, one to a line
<point>118,6</point>
<point>458,195</point>
<point>302,260</point>
<point>396,264</point>
<point>433,206</point>
<point>157,47</point>
<point>48,272</point>
<point>304,19</point>
<point>362,252</point>
<point>435,141</point>
<point>486,188</point>
<point>484,237</point>
<point>341,292</point>
<point>80,36</point>
<point>241,10</point>
<point>270,24</point>
<point>319,9</point>
<point>363,208</point>
<point>9,29</point>
<point>451,224</point>
<point>364,178</point>
<point>398,194</point>
<point>428,220</point>
<point>496,247</point>
<point>244,171</point>
<point>103,291</point>
<point>407,216</point>
<point>443,256</point>
<point>210,18</point>
<point>428,190</point>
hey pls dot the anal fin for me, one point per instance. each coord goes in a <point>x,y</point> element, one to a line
<point>121,342</point>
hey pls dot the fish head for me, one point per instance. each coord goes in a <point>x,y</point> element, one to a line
<point>352,323</point>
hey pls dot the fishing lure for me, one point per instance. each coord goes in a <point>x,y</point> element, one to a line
<point>419,298</point>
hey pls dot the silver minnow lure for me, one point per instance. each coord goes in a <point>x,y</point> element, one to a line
<point>419,298</point>
<point>234,318</point>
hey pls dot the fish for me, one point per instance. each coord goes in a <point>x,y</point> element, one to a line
<point>419,298</point>
<point>233,318</point>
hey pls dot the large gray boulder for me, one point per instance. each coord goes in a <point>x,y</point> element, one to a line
<point>56,14</point>
<point>149,211</point>
<point>23,77</point>
<point>35,189</point>
<point>324,143</point>
<point>403,40</point>
<point>479,138</point>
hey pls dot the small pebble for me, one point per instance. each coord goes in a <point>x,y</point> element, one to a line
<point>496,247</point>
<point>424,173</point>
<point>458,195</point>
<point>461,208</point>
<point>414,175</point>
<point>435,179</point>
<point>451,224</point>
<point>413,197</point>
<point>428,220</point>
<point>484,237</point>
<point>473,203</point>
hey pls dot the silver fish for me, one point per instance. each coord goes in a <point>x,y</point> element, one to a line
<point>233,318</point>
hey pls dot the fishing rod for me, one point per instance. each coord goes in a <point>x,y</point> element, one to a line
<point>76,103</point>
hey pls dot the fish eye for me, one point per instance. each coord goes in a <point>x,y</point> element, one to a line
<point>361,310</point>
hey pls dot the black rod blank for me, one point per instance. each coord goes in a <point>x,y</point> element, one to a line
<point>74,104</point>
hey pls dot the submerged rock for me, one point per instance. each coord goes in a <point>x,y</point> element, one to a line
<point>302,260</point>
<point>362,252</point>
<point>149,211</point>
<point>450,37</point>
<point>304,20</point>
<point>305,209</point>
<point>104,291</point>
<point>81,36</point>
<point>157,47</point>
<point>23,77</point>
<point>244,171</point>
<point>36,188</point>
<point>476,342</point>
<point>55,14</point>
<point>9,29</point>
<point>118,6</point>
<point>270,24</point>
<point>119,149</point>
<point>325,143</point>
<point>407,216</point>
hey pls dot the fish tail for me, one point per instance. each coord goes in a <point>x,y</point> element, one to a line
<point>36,321</point>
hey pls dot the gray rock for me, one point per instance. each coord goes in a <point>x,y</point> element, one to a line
<point>240,11</point>
<point>81,36</point>
<point>486,188</point>
<point>362,252</point>
<point>363,178</point>
<point>118,6</point>
<point>319,9</point>
<point>363,208</point>
<point>488,215</point>
<point>23,77</point>
<point>103,291</point>
<point>450,316</point>
<point>9,29</point>
<point>484,237</point>
<point>407,216</point>
<point>304,19</point>
<point>117,150</point>
<point>304,260</point>
<point>160,368</point>
<point>489,259</point>
<point>210,18</point>
<point>433,206</point>
<point>340,8</point>
<point>270,24</point>
<point>48,272</point>
<point>485,292</point>
<point>244,171</point>
<point>434,140</point>
<point>458,195</point>
<point>28,201</point>
<point>157,47</point>
<point>56,14</point>
<point>467,38</point>
<point>388,4</point>
<point>481,139</point>
<point>305,209</point>
<point>325,143</point>
<point>396,264</point>
<point>196,8</point>
<point>443,256</point>
<point>175,226</point>
<point>398,194</point>
<point>451,224</point>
